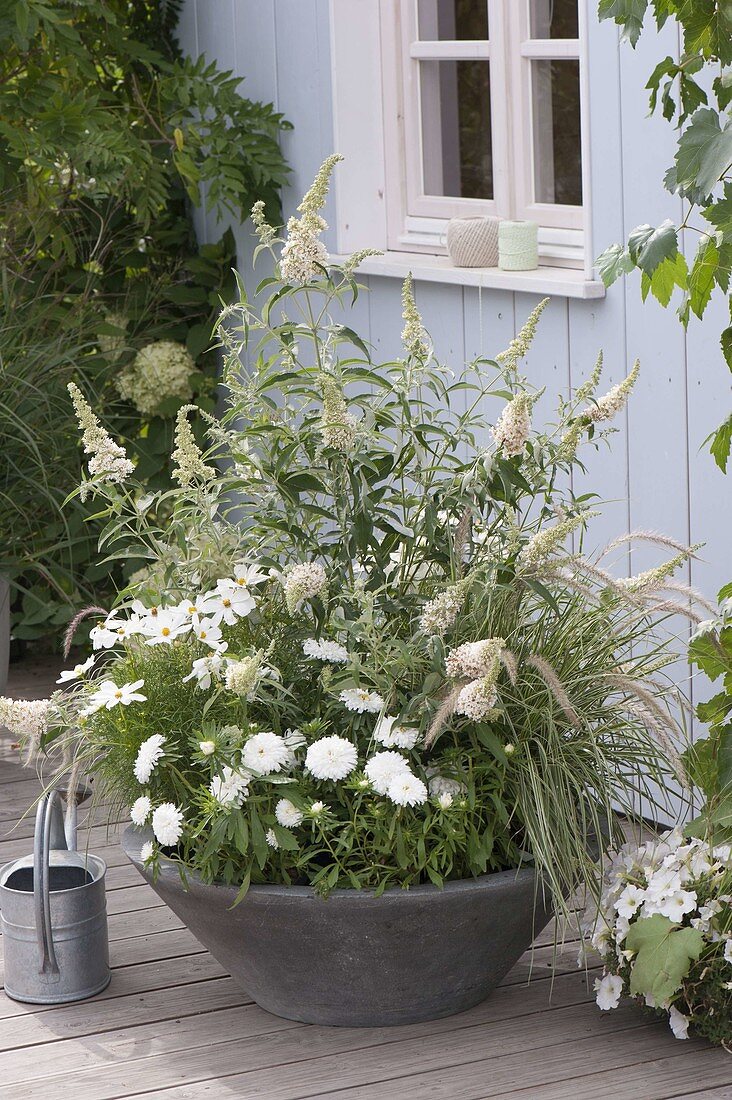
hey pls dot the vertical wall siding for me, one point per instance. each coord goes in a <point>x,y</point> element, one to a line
<point>654,476</point>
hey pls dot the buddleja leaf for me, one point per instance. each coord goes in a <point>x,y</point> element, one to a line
<point>704,153</point>
<point>648,247</point>
<point>614,262</point>
<point>628,14</point>
<point>665,953</point>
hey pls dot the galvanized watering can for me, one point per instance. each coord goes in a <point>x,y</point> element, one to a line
<point>53,914</point>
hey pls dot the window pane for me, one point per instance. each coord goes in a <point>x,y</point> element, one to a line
<point>554,19</point>
<point>555,90</point>
<point>462,20</point>
<point>456,128</point>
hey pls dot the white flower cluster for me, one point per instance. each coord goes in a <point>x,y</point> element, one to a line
<point>108,461</point>
<point>25,718</point>
<point>332,652</point>
<point>440,613</point>
<point>337,425</point>
<point>513,427</point>
<point>389,774</point>
<point>414,338</point>
<point>304,253</point>
<point>477,699</point>
<point>472,660</point>
<point>158,371</point>
<point>670,877</point>
<point>613,401</point>
<point>390,734</point>
<point>302,582</point>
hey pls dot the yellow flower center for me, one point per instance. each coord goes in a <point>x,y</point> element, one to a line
<point>226,603</point>
<point>118,694</point>
<point>202,635</point>
<point>165,631</point>
<point>191,609</point>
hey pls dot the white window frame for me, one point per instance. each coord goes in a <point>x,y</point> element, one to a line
<point>375,186</point>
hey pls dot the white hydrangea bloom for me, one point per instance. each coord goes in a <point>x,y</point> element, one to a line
<point>167,824</point>
<point>158,372</point>
<point>148,755</point>
<point>331,758</point>
<point>265,752</point>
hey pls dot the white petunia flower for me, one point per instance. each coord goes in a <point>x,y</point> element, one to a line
<point>360,700</point>
<point>265,752</point>
<point>76,672</point>
<point>230,788</point>
<point>677,905</point>
<point>205,670</point>
<point>140,810</point>
<point>678,1023</point>
<point>608,990</point>
<point>331,758</point>
<point>728,950</point>
<point>406,789</point>
<point>208,748</point>
<point>325,651</point>
<point>288,814</point>
<point>148,754</point>
<point>630,901</point>
<point>383,767</point>
<point>390,735</point>
<point>147,852</point>
<point>167,824</point>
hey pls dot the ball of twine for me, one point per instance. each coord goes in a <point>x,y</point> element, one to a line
<point>518,248</point>
<point>473,242</point>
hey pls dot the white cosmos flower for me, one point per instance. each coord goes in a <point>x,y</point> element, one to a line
<point>167,824</point>
<point>383,767</point>
<point>208,631</point>
<point>390,735</point>
<point>109,695</point>
<point>333,652</point>
<point>247,574</point>
<point>147,852</point>
<point>205,670</point>
<point>229,602</point>
<point>165,626</point>
<point>123,628</point>
<point>406,789</point>
<point>102,638</point>
<point>148,755</point>
<point>76,672</point>
<point>331,758</point>
<point>630,901</point>
<point>265,752</point>
<point>198,605</point>
<point>230,788</point>
<point>360,700</point>
<point>287,814</point>
<point>140,810</point>
<point>678,1023</point>
<point>608,990</point>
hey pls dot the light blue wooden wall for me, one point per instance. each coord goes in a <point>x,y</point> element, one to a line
<point>655,476</point>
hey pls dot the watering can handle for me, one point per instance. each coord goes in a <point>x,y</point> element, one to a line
<point>49,834</point>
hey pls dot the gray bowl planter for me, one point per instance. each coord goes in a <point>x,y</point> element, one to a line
<point>353,960</point>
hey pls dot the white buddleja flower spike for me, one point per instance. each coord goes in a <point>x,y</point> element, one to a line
<point>262,228</point>
<point>477,699</point>
<point>243,677</point>
<point>521,344</point>
<point>542,545</point>
<point>188,461</point>
<point>304,254</point>
<point>302,582</point>
<point>337,425</point>
<point>475,659</point>
<point>513,426</point>
<point>613,401</point>
<point>414,338</point>
<point>108,462</point>
<point>652,578</point>
<point>440,613</point>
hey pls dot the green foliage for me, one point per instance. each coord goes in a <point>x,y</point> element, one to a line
<point>701,172</point>
<point>665,954</point>
<point>107,136</point>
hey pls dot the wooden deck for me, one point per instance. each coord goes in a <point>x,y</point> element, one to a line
<point>173,1025</point>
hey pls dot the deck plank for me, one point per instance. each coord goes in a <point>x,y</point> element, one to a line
<point>173,1025</point>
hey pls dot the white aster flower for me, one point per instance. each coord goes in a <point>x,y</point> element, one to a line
<point>608,990</point>
<point>325,651</point>
<point>361,700</point>
<point>167,824</point>
<point>445,800</point>
<point>271,839</point>
<point>331,758</point>
<point>230,788</point>
<point>406,789</point>
<point>383,767</point>
<point>316,808</point>
<point>205,670</point>
<point>208,748</point>
<point>140,810</point>
<point>148,754</point>
<point>265,752</point>
<point>678,1023</point>
<point>391,735</point>
<point>147,852</point>
<point>76,672</point>
<point>288,814</point>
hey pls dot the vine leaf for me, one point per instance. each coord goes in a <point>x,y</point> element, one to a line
<point>665,953</point>
<point>704,153</point>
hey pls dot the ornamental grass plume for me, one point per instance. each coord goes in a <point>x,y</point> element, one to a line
<point>613,401</point>
<point>304,254</point>
<point>513,427</point>
<point>654,578</point>
<point>521,344</point>
<point>189,466</point>
<point>108,461</point>
<point>159,371</point>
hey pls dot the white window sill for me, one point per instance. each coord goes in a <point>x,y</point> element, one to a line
<point>563,282</point>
